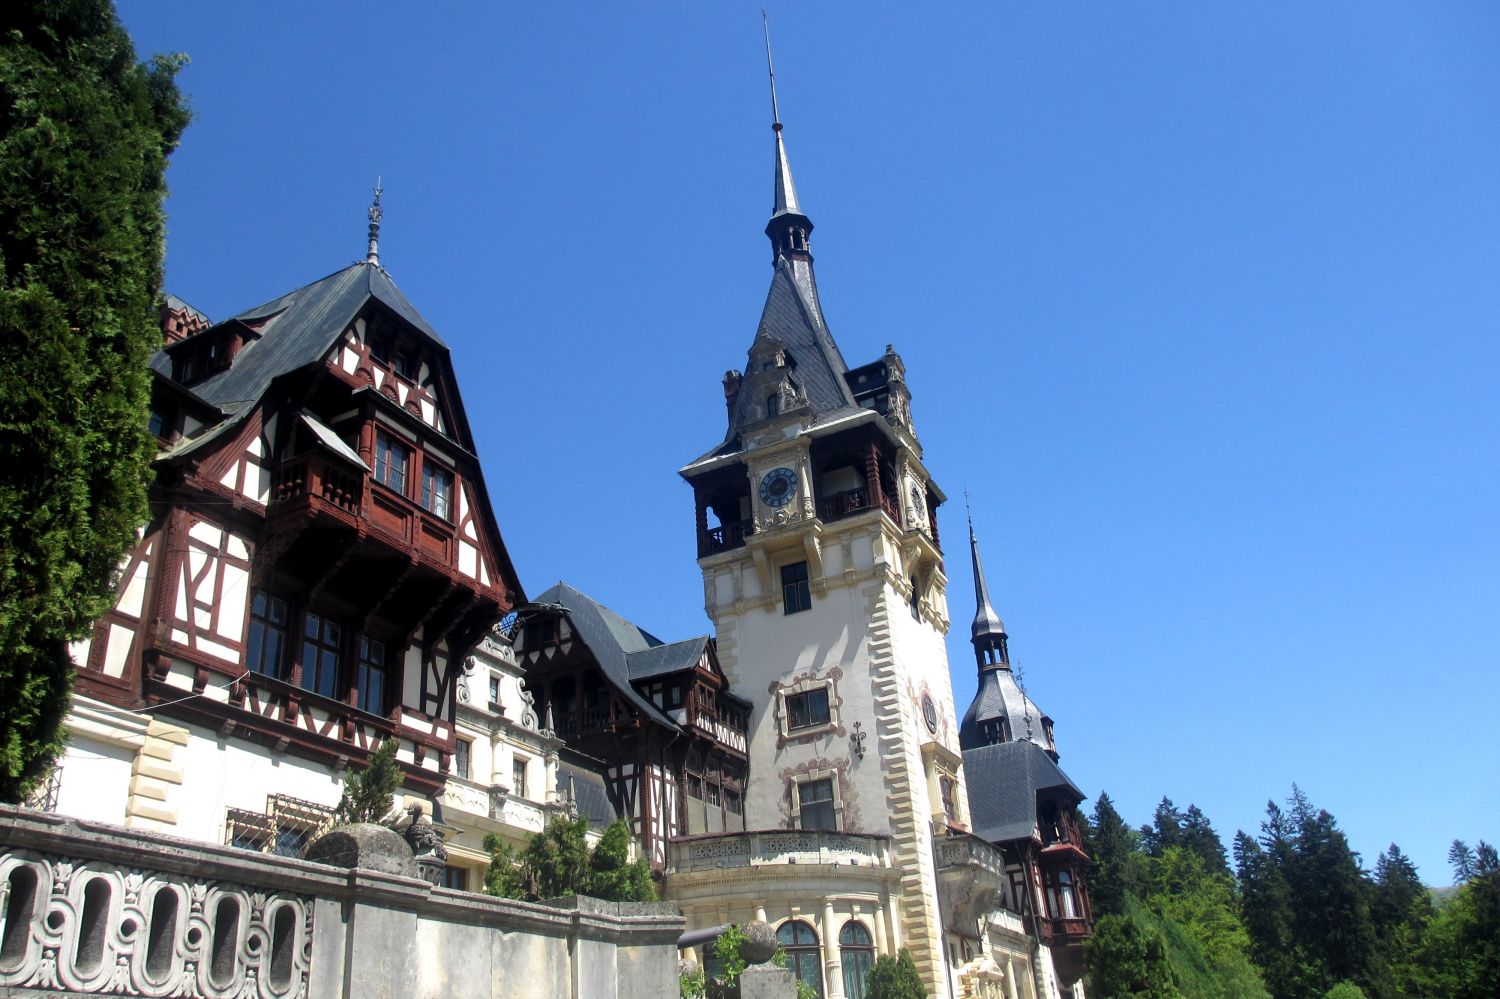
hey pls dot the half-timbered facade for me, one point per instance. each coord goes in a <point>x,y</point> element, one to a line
<point>655,718</point>
<point>320,561</point>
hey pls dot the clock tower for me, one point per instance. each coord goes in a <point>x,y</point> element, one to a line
<point>817,536</point>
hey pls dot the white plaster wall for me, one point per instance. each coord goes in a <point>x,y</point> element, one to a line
<point>95,780</point>
<point>229,773</point>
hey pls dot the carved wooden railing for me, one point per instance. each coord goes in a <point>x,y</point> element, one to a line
<point>725,537</point>
<point>843,504</point>
<point>308,476</point>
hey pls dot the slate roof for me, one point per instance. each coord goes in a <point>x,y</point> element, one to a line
<point>612,639</point>
<point>999,696</point>
<point>300,328</point>
<point>178,305</point>
<point>589,791</point>
<point>659,660</point>
<point>1003,781</point>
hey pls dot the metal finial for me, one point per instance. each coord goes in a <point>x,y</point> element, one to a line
<point>969,512</point>
<point>771,71</point>
<point>373,254</point>
<point>1026,705</point>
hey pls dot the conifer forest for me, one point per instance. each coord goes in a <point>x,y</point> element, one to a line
<point>1291,912</point>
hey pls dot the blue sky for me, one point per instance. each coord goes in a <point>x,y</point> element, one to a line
<point>1198,301</point>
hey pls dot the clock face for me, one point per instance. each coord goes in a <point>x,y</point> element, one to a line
<point>778,487</point>
<point>929,713</point>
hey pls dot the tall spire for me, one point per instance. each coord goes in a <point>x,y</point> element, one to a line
<point>789,228</point>
<point>372,255</point>
<point>988,631</point>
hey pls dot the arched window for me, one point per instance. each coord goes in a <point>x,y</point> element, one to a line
<point>800,942</point>
<point>857,953</point>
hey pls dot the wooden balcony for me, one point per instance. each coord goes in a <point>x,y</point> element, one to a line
<point>317,485</point>
<point>724,537</point>
<point>1064,930</point>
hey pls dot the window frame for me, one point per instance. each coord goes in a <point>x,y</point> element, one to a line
<point>366,667</point>
<point>386,444</point>
<point>855,956</point>
<point>796,593</point>
<point>463,758</point>
<point>261,624</point>
<point>433,470</point>
<point>804,957</point>
<point>518,767</point>
<point>323,648</point>
<point>809,697</point>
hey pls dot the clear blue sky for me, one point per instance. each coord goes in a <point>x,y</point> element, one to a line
<point>1199,301</point>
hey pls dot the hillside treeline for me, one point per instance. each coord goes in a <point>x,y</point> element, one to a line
<point>1292,914</point>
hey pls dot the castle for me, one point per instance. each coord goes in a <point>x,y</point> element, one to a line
<point>323,573</point>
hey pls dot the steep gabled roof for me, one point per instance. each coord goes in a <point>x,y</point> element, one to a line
<point>1003,781</point>
<point>298,329</point>
<point>659,660</point>
<point>612,639</point>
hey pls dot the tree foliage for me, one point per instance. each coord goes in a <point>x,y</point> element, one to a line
<point>1127,959</point>
<point>368,792</point>
<point>85,132</point>
<point>894,977</point>
<point>558,861</point>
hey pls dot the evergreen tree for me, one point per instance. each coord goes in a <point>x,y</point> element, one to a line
<point>1266,906</point>
<point>613,875</point>
<point>1461,950</point>
<point>1165,829</point>
<point>1400,910</point>
<point>1461,859</point>
<point>1128,960</point>
<point>85,132</point>
<point>894,978</point>
<point>1115,850</point>
<point>1199,836</point>
<point>557,861</point>
<point>367,793</point>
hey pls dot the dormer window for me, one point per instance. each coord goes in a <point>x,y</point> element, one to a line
<point>407,365</point>
<point>773,404</point>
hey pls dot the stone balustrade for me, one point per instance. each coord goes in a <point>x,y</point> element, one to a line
<point>775,847</point>
<point>90,908</point>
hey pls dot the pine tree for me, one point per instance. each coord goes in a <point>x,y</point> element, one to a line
<point>85,132</point>
<point>368,793</point>
<point>1165,829</point>
<point>1400,910</point>
<point>1199,836</point>
<point>613,875</point>
<point>1461,858</point>
<point>557,861</point>
<point>1114,848</point>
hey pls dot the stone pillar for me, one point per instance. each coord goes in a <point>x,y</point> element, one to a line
<point>895,918</point>
<point>833,967</point>
<point>882,943</point>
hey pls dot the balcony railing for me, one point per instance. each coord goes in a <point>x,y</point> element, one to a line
<point>1065,929</point>
<point>778,847</point>
<point>725,537</point>
<point>307,476</point>
<point>843,504</point>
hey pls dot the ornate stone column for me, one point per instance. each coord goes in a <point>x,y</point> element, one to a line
<point>833,966</point>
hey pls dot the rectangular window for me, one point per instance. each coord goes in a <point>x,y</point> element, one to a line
<point>321,639</point>
<point>815,801</point>
<point>807,709</point>
<point>494,690</point>
<point>945,786</point>
<point>372,667</point>
<point>263,649</point>
<point>437,491</point>
<point>392,458</point>
<point>518,777</point>
<point>407,366</point>
<point>461,752</point>
<point>456,878</point>
<point>794,592</point>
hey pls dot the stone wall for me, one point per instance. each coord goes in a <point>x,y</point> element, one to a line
<point>91,908</point>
